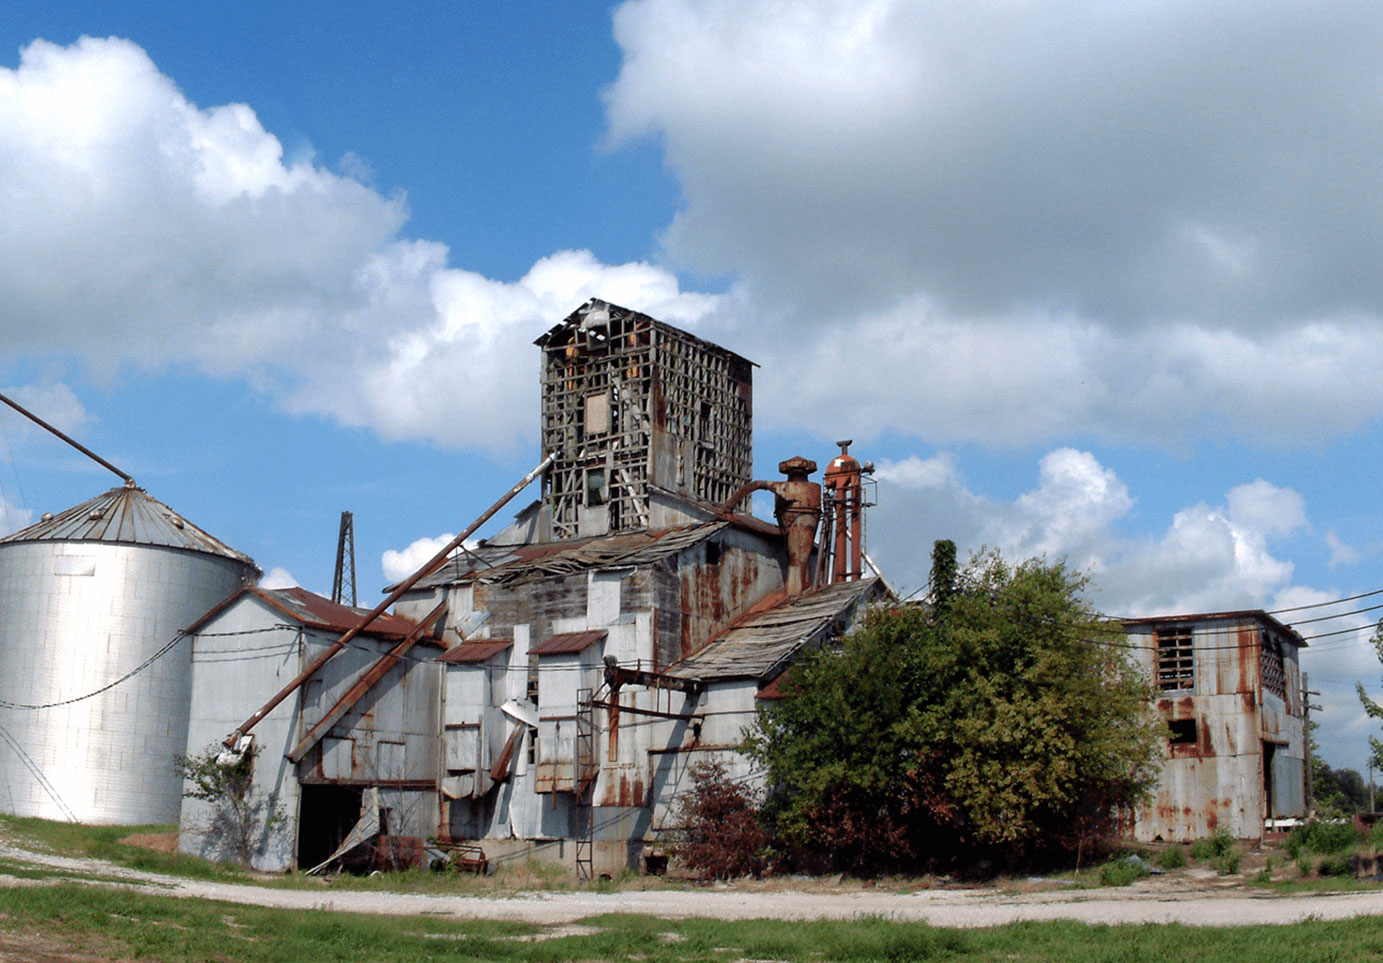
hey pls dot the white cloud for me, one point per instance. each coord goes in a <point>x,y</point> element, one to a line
<point>1207,558</point>
<point>54,402</point>
<point>138,230</point>
<point>13,517</point>
<point>1340,552</point>
<point>398,564</point>
<point>278,578</point>
<point>1027,219</point>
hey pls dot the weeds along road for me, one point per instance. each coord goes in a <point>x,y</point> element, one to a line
<point>1193,899</point>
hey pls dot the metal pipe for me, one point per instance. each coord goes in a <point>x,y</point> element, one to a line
<point>363,685</point>
<point>430,566</point>
<point>71,441</point>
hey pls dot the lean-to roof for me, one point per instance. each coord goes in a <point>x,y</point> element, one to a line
<point>758,646</point>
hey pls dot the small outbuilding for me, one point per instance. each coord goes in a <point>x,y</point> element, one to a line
<point>368,718</point>
<point>1229,686</point>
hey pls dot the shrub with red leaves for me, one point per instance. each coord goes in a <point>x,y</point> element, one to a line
<point>722,835</point>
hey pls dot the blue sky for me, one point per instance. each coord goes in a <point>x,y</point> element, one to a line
<point>1100,284</point>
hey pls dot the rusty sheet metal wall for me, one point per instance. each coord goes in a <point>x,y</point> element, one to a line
<point>1214,774</point>
<point>717,581</point>
<point>649,612</point>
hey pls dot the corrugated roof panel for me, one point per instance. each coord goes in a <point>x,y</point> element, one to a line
<point>318,612</point>
<point>764,640</point>
<point>477,651</point>
<point>513,564</point>
<point>129,516</point>
<point>568,643</point>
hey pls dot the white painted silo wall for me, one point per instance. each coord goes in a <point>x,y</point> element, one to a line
<point>76,616</point>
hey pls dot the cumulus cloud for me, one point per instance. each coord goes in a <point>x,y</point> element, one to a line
<point>278,578</point>
<point>138,229</point>
<point>398,564</point>
<point>1154,220</point>
<point>54,402</point>
<point>13,517</point>
<point>1209,557</point>
<point>1341,553</point>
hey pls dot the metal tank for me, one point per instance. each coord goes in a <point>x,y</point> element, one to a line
<point>87,598</point>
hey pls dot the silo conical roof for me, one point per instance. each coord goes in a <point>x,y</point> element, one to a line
<point>130,516</point>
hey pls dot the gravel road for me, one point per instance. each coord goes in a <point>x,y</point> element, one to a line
<point>1196,899</point>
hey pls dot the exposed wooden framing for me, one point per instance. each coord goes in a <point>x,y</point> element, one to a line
<point>628,401</point>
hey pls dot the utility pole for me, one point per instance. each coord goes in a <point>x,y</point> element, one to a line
<point>343,585</point>
<point>1306,707</point>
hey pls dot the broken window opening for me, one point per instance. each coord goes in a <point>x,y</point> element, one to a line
<point>1182,732</point>
<point>595,487</point>
<point>1270,661</point>
<point>1176,667</point>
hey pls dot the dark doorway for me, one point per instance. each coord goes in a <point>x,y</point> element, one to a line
<point>1269,807</point>
<point>325,815</point>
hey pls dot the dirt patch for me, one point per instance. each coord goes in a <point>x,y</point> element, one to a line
<point>162,842</point>
<point>26,946</point>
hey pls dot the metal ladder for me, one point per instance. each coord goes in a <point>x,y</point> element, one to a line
<point>584,783</point>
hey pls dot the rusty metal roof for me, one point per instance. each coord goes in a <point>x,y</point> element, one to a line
<point>130,516</point>
<point>477,651</point>
<point>568,643</point>
<point>514,564</point>
<point>758,646</point>
<point>314,611</point>
<point>1242,615</point>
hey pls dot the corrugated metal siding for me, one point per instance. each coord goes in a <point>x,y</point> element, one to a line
<point>1223,779</point>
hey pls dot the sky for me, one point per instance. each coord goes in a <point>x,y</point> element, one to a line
<point>1093,282</point>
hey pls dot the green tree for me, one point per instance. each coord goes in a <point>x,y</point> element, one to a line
<point>1008,721</point>
<point>1374,710</point>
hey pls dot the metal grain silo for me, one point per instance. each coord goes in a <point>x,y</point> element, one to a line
<point>87,597</point>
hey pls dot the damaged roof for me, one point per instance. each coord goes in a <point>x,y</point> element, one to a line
<point>759,645</point>
<point>597,316</point>
<point>130,516</point>
<point>313,611</point>
<point>514,564</point>
<point>1243,615</point>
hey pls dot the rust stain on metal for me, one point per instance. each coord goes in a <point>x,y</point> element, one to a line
<point>625,792</point>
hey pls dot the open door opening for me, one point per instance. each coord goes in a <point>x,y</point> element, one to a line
<point>326,814</point>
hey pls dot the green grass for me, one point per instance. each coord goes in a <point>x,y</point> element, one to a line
<point>104,842</point>
<point>159,928</point>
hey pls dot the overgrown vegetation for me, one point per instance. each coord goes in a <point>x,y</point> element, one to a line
<point>1123,870</point>
<point>239,816</point>
<point>722,835</point>
<point>1220,851</point>
<point>108,843</point>
<point>1000,722</point>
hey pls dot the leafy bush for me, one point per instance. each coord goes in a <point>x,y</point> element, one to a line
<point>722,834</point>
<point>1001,723</point>
<point>1375,837</point>
<point>1122,871</point>
<point>1319,836</point>
<point>1219,851</point>
<point>1214,846</point>
<point>1174,857</point>
<point>1338,865</point>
